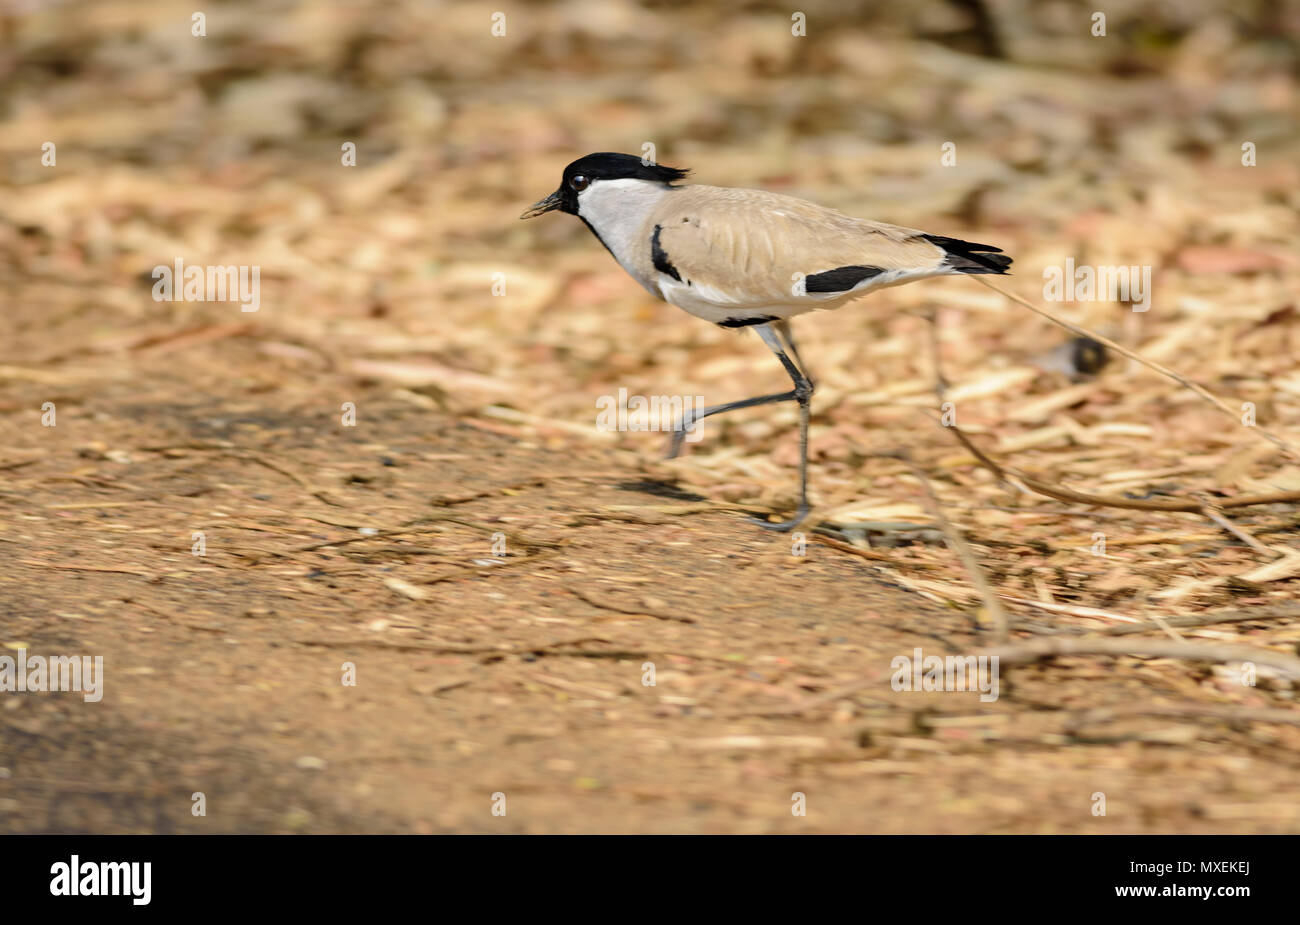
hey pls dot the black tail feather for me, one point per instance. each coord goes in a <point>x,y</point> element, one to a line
<point>965,257</point>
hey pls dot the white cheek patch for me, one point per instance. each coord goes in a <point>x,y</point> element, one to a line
<point>616,204</point>
<point>618,210</point>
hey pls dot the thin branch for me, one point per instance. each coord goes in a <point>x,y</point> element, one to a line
<point>1047,647</point>
<point>1150,364</point>
<point>630,611</point>
<point>957,543</point>
<point>1221,713</point>
<point>1280,612</point>
<point>1060,493</point>
<point>1211,509</point>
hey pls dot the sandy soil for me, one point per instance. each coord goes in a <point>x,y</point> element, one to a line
<point>520,675</point>
<point>503,577</point>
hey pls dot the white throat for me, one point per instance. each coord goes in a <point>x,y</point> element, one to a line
<point>617,211</point>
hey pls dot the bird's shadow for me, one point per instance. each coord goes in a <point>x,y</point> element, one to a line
<point>660,489</point>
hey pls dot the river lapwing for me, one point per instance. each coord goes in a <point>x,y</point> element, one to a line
<point>749,258</point>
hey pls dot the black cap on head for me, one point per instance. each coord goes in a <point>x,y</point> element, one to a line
<point>602,166</point>
<point>608,166</point>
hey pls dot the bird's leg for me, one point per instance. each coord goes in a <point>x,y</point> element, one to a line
<point>802,393</point>
<point>680,430</point>
<point>783,328</point>
<point>683,426</point>
<point>787,334</point>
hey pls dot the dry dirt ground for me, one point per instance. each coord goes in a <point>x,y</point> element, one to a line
<point>503,577</point>
<point>520,674</point>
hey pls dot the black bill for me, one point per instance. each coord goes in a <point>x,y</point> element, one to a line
<point>549,204</point>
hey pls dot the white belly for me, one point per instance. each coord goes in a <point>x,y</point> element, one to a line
<point>718,307</point>
<point>703,302</point>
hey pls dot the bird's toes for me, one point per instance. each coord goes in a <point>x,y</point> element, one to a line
<point>678,437</point>
<point>784,526</point>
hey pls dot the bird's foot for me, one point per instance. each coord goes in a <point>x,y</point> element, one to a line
<point>785,526</point>
<point>887,534</point>
<point>679,436</point>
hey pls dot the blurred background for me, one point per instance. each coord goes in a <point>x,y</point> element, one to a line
<point>226,148</point>
<point>1029,125</point>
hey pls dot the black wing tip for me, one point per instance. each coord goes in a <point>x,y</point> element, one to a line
<point>968,257</point>
<point>990,263</point>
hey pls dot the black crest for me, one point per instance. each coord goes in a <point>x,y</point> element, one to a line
<point>594,167</point>
<point>608,166</point>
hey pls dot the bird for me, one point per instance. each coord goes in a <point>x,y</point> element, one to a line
<point>748,258</point>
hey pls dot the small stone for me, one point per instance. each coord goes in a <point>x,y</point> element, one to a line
<point>405,588</point>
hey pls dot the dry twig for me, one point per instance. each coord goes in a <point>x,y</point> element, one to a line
<point>1048,647</point>
<point>1150,364</point>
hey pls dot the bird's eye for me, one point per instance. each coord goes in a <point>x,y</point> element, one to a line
<point>579,183</point>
